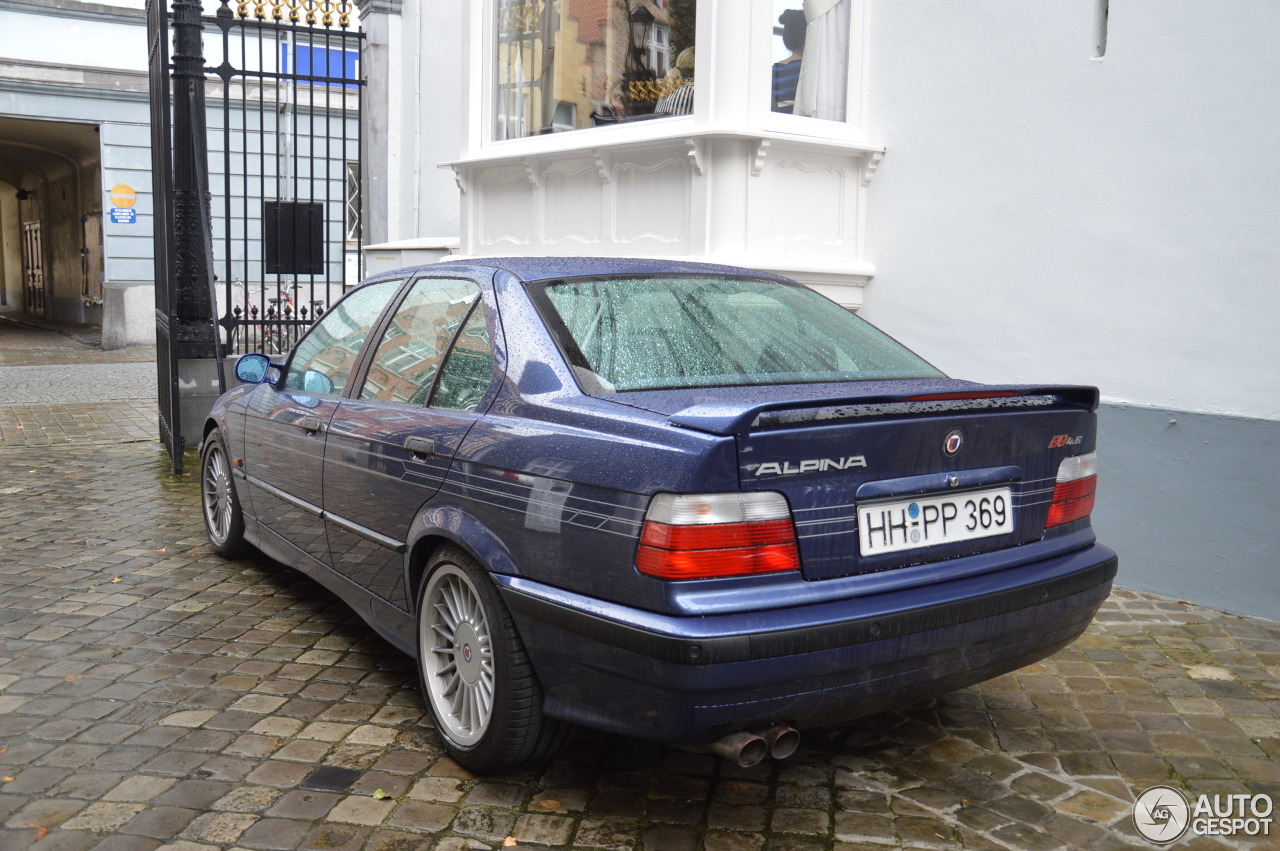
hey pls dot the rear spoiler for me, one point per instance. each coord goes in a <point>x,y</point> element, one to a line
<point>731,418</point>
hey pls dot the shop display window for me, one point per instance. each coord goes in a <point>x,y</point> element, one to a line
<point>571,64</point>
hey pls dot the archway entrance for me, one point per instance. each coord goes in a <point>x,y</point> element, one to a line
<point>50,203</point>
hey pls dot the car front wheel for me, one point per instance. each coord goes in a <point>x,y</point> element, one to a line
<point>223,519</point>
<point>476,677</point>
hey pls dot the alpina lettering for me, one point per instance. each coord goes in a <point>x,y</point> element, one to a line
<point>811,465</point>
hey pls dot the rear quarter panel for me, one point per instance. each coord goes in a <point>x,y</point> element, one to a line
<point>566,492</point>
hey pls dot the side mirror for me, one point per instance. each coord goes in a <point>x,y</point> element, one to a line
<point>252,368</point>
<point>316,382</point>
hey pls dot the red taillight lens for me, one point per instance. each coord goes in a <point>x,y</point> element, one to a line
<point>718,537</point>
<point>1073,494</point>
<point>702,536</point>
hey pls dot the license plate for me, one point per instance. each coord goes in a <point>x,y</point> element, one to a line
<point>929,521</point>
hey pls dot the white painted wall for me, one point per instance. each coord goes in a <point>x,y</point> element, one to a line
<point>432,130</point>
<point>84,42</point>
<point>413,118</point>
<point>1043,215</point>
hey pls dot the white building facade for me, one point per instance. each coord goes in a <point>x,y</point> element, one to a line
<point>75,166</point>
<point>1085,192</point>
<point>584,135</point>
<point>1077,192</point>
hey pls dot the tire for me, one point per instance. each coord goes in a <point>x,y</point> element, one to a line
<point>219,505</point>
<point>476,678</point>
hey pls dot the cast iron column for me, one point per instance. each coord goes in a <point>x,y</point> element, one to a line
<point>194,336</point>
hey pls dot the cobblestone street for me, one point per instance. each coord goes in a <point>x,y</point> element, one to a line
<point>155,695</point>
<point>62,388</point>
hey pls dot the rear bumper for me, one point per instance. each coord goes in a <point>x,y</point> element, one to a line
<point>690,679</point>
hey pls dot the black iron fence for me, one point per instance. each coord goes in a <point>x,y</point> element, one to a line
<point>255,120</point>
<point>162,188</point>
<point>284,110</point>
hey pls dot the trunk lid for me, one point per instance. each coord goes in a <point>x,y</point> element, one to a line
<point>863,471</point>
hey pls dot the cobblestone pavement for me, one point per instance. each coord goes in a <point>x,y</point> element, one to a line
<point>51,425</point>
<point>155,695</point>
<point>59,388</point>
<point>32,342</point>
<point>100,382</point>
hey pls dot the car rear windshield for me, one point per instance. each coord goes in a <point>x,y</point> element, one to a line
<point>644,333</point>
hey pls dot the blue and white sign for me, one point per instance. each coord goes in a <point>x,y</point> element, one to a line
<point>124,215</point>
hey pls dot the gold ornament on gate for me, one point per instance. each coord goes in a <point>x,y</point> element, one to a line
<point>322,12</point>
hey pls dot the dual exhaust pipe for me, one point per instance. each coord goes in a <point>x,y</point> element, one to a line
<point>748,749</point>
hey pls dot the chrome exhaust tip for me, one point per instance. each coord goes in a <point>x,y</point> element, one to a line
<point>782,741</point>
<point>746,749</point>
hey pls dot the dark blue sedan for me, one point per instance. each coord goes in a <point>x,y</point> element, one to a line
<point>695,504</point>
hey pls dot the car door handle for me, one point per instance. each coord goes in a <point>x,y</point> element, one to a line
<point>311,424</point>
<point>421,447</point>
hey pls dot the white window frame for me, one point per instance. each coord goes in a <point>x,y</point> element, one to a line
<point>854,126</point>
<point>480,85</point>
<point>727,101</point>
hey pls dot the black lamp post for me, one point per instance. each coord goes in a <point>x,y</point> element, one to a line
<point>639,22</point>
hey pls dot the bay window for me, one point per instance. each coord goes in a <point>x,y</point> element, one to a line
<point>571,64</point>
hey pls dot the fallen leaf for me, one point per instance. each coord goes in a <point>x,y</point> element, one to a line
<point>379,795</point>
<point>509,842</point>
<point>71,678</point>
<point>117,579</point>
<point>549,805</point>
<point>8,780</point>
<point>41,831</point>
<point>3,749</point>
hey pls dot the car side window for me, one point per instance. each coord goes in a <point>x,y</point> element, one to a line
<point>416,340</point>
<point>325,357</point>
<point>468,370</point>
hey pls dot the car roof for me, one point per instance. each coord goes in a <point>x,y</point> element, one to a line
<point>531,269</point>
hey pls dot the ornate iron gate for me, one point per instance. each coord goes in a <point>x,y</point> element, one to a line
<point>33,267</point>
<point>266,234</point>
<point>162,188</point>
<point>288,123</point>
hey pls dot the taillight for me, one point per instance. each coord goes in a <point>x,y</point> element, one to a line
<point>702,536</point>
<point>1074,491</point>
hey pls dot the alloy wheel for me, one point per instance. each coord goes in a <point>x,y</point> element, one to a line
<point>458,668</point>
<point>218,505</point>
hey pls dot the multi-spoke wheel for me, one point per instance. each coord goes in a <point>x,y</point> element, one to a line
<point>460,669</point>
<point>223,519</point>
<point>476,677</point>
